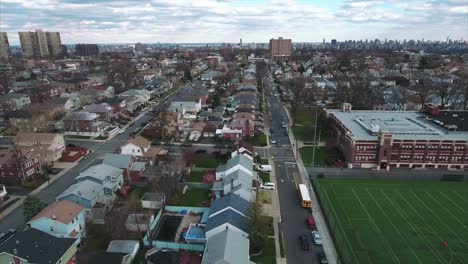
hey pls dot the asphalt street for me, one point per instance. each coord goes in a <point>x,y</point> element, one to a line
<point>15,219</point>
<point>286,172</point>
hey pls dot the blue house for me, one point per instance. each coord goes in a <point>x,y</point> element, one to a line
<point>85,193</point>
<point>228,219</point>
<point>61,219</point>
<point>229,202</point>
<point>109,177</point>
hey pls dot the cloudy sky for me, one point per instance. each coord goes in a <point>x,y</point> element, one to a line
<point>109,21</point>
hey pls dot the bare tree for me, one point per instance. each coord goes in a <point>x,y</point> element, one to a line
<point>297,88</point>
<point>424,88</point>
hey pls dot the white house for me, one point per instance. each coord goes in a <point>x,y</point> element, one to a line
<point>137,146</point>
<point>239,162</point>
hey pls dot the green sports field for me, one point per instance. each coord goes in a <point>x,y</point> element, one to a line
<point>395,221</point>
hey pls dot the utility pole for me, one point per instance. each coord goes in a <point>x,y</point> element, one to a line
<point>315,137</point>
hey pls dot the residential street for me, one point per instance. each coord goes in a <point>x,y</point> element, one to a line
<point>287,177</point>
<point>15,218</point>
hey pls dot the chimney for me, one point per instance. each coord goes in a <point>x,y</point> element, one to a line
<point>54,217</point>
<point>15,251</point>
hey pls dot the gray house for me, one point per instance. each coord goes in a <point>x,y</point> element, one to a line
<point>227,247</point>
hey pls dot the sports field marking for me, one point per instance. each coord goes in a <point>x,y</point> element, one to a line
<point>463,224</point>
<point>429,227</point>
<point>401,212</point>
<point>377,228</point>
<point>454,203</point>
<point>394,227</point>
<point>457,194</point>
<point>341,227</point>
<point>438,218</point>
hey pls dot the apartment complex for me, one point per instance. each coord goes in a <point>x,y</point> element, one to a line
<point>4,46</point>
<point>40,44</point>
<point>385,139</point>
<point>86,49</point>
<point>280,49</point>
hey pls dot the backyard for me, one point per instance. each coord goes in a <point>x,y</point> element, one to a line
<point>205,160</point>
<point>197,197</point>
<point>259,140</point>
<point>396,221</point>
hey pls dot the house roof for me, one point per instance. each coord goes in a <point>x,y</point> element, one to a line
<point>153,152</point>
<point>35,246</point>
<point>230,200</point>
<point>87,189</point>
<point>101,172</point>
<point>138,166</point>
<point>60,211</point>
<point>123,246</point>
<point>153,196</point>
<point>34,137</point>
<point>81,115</point>
<point>99,108</point>
<point>121,161</point>
<point>228,216</point>
<point>139,141</point>
<point>100,257</point>
<point>242,160</point>
<point>227,247</point>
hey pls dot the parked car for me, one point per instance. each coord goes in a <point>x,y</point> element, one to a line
<point>286,132</point>
<point>271,130</point>
<point>305,244</point>
<point>273,141</point>
<point>322,258</point>
<point>200,151</point>
<point>316,237</point>
<point>310,221</point>
<point>121,131</point>
<point>266,168</point>
<point>268,186</point>
<point>278,144</point>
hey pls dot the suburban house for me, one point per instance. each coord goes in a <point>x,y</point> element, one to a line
<point>137,146</point>
<point>244,149</point>
<point>109,177</point>
<point>49,146</point>
<point>239,162</point>
<point>237,182</point>
<point>196,131</point>
<point>16,168</point>
<point>121,161</point>
<point>245,124</point>
<point>229,133</point>
<point>165,125</point>
<point>13,101</point>
<point>188,106</point>
<point>83,123</point>
<point>228,246</point>
<point>228,219</point>
<point>103,110</point>
<point>61,219</point>
<point>85,193</point>
<point>230,202</point>
<point>32,246</point>
<point>118,105</point>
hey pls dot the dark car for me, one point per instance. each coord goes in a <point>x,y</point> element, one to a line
<point>286,133</point>
<point>200,151</point>
<point>305,243</point>
<point>322,258</point>
<point>271,130</point>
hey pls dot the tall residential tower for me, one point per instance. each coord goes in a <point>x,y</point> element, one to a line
<point>40,44</point>
<point>4,46</point>
<point>280,49</point>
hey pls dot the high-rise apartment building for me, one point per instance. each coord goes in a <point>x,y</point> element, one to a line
<point>86,49</point>
<point>40,44</point>
<point>54,43</point>
<point>280,48</point>
<point>4,46</point>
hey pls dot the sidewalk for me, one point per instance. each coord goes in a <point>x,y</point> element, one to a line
<point>328,245</point>
<point>274,211</point>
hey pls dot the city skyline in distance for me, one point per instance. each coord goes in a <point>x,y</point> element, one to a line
<point>217,21</point>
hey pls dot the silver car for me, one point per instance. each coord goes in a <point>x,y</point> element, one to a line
<point>316,237</point>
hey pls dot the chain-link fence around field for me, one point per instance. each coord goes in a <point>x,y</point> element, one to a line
<point>342,244</point>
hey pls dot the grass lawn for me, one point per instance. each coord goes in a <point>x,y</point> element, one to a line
<point>263,161</point>
<point>205,160</point>
<point>193,197</point>
<point>195,176</point>
<point>268,255</point>
<point>323,156</point>
<point>304,128</point>
<point>257,140</point>
<point>264,196</point>
<point>265,176</point>
<point>397,221</point>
